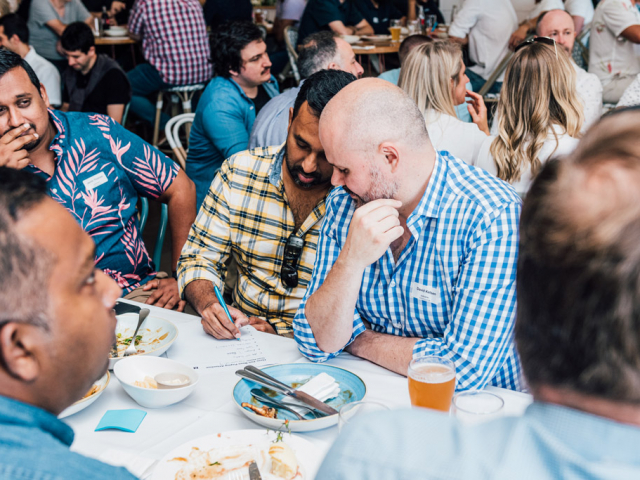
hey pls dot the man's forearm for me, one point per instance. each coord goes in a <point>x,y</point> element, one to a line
<point>329,310</point>
<point>200,294</point>
<point>182,214</point>
<point>389,351</point>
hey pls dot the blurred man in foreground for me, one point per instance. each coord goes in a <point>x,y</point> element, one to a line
<point>577,336</point>
<point>56,330</point>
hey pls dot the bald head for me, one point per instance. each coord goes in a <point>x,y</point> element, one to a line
<point>557,24</point>
<point>369,112</point>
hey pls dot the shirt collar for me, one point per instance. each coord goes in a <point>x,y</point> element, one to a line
<point>616,441</point>
<point>429,205</point>
<point>271,81</point>
<point>61,124</point>
<point>275,173</point>
<point>13,412</point>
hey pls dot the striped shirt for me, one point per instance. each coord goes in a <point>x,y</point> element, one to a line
<point>174,39</point>
<point>246,213</point>
<point>454,283</point>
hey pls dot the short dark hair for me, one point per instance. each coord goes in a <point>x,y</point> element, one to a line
<point>411,42</point>
<point>578,274</point>
<point>320,88</point>
<point>24,265</point>
<point>14,24</point>
<point>77,36</point>
<point>10,60</point>
<point>316,52</point>
<point>227,43</point>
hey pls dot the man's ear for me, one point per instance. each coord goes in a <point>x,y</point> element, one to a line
<point>333,66</point>
<point>233,73</point>
<point>18,350</point>
<point>391,154</point>
<point>290,119</point>
<point>43,94</point>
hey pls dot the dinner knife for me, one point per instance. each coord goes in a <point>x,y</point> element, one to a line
<point>254,473</point>
<point>278,386</point>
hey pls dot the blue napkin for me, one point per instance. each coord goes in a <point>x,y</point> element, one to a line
<point>125,420</point>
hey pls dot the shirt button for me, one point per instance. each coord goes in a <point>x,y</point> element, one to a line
<point>393,283</point>
<point>250,108</point>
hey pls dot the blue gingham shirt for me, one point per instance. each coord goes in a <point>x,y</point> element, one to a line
<point>463,252</point>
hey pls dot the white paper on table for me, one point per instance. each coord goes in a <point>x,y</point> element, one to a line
<point>202,352</point>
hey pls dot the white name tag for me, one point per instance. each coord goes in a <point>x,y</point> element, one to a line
<point>95,181</point>
<point>424,293</point>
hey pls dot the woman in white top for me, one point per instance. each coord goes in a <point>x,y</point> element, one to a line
<point>538,114</point>
<point>433,76</point>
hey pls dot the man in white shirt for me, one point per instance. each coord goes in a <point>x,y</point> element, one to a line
<point>581,11</point>
<point>615,28</point>
<point>14,36</point>
<point>485,25</point>
<point>559,25</point>
<point>529,24</point>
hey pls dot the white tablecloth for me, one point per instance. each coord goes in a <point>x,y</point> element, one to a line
<point>211,409</point>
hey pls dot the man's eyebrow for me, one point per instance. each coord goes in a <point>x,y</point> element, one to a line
<point>300,139</point>
<point>23,95</point>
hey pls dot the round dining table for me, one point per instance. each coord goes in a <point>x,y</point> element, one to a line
<point>211,408</point>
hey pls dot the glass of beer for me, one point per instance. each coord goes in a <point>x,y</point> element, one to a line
<point>396,30</point>
<point>432,381</point>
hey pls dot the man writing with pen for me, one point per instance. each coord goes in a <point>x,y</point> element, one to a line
<point>265,208</point>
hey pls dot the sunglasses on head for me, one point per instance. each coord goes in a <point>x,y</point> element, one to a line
<point>546,40</point>
<point>292,253</point>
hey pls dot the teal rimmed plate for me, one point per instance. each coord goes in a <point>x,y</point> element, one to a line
<point>352,389</point>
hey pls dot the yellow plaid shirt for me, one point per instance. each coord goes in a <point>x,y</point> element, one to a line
<point>246,212</point>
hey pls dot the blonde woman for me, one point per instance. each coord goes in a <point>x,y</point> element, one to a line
<point>539,114</point>
<point>433,76</point>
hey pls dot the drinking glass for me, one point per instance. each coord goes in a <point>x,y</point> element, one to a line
<point>395,29</point>
<point>430,23</point>
<point>476,406</point>
<point>432,381</point>
<point>349,411</point>
<point>414,27</point>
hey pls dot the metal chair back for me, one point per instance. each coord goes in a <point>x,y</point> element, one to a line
<point>162,228</point>
<point>172,132</point>
<point>291,41</point>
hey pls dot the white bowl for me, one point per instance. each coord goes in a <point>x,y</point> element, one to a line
<point>116,32</point>
<point>351,39</point>
<point>86,401</point>
<point>152,330</point>
<point>136,368</point>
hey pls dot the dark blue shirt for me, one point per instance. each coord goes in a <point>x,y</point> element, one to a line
<point>320,13</point>
<point>379,18</point>
<point>216,12</point>
<point>101,169</point>
<point>34,444</point>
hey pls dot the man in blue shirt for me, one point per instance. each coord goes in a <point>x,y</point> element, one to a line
<point>56,329</point>
<point>97,170</point>
<point>243,84</point>
<point>576,332</point>
<point>340,16</point>
<point>417,253</point>
<point>321,51</point>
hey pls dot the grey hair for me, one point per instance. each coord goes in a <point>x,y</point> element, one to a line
<point>25,266</point>
<point>316,53</point>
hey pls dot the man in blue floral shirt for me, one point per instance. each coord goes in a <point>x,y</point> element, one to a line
<point>96,169</point>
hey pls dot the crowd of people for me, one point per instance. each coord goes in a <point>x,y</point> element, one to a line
<point>383,216</point>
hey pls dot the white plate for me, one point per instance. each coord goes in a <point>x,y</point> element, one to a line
<point>120,32</point>
<point>85,402</point>
<point>377,38</point>
<point>309,456</point>
<point>152,330</point>
<point>351,39</point>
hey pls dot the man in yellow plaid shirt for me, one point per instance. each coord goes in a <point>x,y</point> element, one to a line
<point>265,208</point>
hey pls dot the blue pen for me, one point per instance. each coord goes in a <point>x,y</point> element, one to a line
<point>221,301</point>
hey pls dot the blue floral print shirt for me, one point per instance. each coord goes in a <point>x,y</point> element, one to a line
<point>101,169</point>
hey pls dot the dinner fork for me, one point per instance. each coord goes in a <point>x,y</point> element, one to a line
<point>235,475</point>
<point>131,349</point>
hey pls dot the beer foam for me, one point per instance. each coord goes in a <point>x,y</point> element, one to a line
<point>432,373</point>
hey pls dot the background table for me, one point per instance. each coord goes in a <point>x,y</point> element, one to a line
<point>114,41</point>
<point>211,409</point>
<point>379,49</point>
